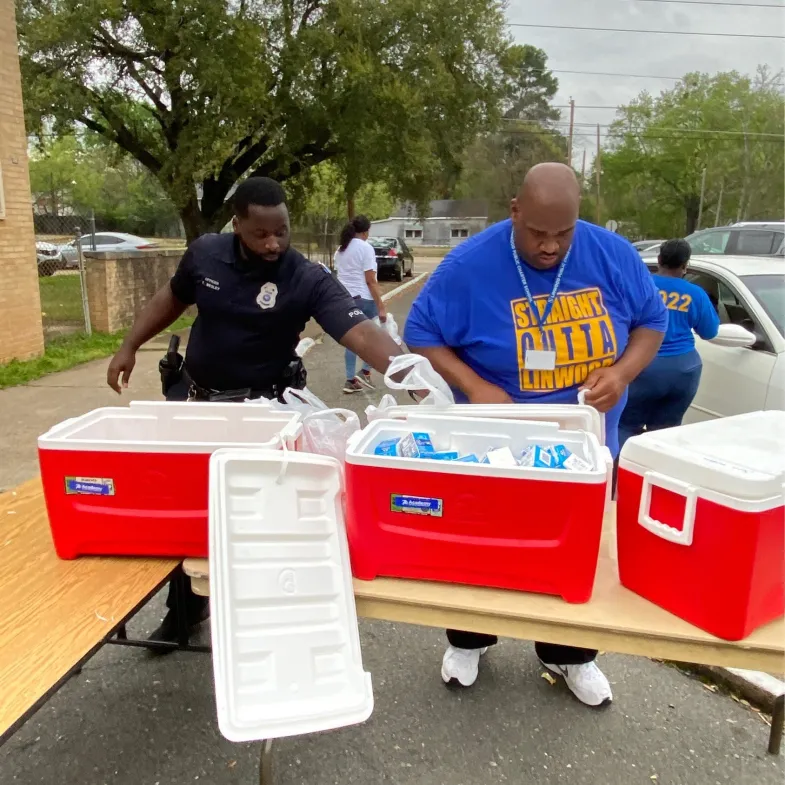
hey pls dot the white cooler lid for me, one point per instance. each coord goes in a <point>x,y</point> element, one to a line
<point>741,456</point>
<point>286,647</point>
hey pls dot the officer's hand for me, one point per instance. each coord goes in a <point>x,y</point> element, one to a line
<point>488,393</point>
<point>120,368</point>
<point>604,388</point>
<point>382,314</point>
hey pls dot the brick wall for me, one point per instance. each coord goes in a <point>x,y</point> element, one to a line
<point>21,334</point>
<point>119,285</point>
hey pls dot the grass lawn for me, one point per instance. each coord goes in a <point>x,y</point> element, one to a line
<point>61,298</point>
<point>66,352</point>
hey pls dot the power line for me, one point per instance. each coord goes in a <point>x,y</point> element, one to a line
<point>676,131</point>
<point>606,73</point>
<point>714,2</point>
<point>647,32</point>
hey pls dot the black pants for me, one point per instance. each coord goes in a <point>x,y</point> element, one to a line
<point>552,653</point>
<point>194,604</point>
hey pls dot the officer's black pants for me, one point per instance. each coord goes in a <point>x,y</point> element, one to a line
<point>194,605</point>
<point>551,653</point>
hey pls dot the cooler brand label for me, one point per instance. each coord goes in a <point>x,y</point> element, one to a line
<point>89,486</point>
<point>416,505</point>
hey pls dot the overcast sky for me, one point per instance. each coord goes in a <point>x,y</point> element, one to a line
<point>637,53</point>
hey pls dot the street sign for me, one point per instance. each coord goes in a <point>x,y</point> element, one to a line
<point>612,225</point>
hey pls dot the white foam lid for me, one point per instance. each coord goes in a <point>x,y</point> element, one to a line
<point>286,647</point>
<point>741,456</point>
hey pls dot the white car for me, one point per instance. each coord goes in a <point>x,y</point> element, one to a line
<point>105,241</point>
<point>744,366</point>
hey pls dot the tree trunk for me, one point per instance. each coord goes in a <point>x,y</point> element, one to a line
<point>350,209</point>
<point>193,221</point>
<point>691,210</point>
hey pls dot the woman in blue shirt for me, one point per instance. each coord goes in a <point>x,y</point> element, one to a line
<point>661,395</point>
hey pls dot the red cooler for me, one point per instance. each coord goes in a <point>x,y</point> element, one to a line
<point>133,481</point>
<point>701,521</point>
<point>515,527</point>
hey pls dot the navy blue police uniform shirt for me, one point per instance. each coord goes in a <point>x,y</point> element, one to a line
<point>250,317</point>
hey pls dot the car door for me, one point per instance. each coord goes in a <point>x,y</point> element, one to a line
<point>734,380</point>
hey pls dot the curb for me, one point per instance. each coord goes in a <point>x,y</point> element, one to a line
<point>759,689</point>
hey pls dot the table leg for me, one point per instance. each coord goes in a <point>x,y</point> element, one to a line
<point>777,721</point>
<point>266,776</point>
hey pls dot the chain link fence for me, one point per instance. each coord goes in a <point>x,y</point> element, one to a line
<point>59,245</point>
<point>318,248</point>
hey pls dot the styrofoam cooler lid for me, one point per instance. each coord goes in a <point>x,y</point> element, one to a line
<point>741,456</point>
<point>286,647</point>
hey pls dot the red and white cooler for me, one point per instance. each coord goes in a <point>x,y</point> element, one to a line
<point>701,521</point>
<point>511,527</point>
<point>134,480</point>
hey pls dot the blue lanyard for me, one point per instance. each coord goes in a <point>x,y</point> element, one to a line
<point>541,320</point>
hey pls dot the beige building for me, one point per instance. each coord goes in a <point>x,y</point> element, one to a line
<point>21,333</point>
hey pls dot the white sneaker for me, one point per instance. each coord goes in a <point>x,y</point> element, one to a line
<point>587,682</point>
<point>461,666</point>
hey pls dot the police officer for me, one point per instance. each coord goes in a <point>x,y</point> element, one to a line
<point>254,294</point>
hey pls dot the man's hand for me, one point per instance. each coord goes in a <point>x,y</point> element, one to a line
<point>486,392</point>
<point>120,367</point>
<point>604,388</point>
<point>382,314</point>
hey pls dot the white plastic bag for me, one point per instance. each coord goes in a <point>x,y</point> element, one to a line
<point>377,412</point>
<point>419,377</point>
<point>392,329</point>
<point>325,431</point>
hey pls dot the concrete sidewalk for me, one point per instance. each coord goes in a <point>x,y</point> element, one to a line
<point>132,719</point>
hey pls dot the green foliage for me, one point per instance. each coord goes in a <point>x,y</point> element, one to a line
<point>318,199</point>
<point>206,92</point>
<point>83,175</point>
<point>660,146</point>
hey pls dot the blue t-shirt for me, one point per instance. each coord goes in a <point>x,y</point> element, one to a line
<point>689,308</point>
<point>474,303</point>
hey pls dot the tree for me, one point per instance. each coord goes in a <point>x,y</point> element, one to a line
<point>531,86</point>
<point>494,166</point>
<point>727,124</point>
<point>207,92</point>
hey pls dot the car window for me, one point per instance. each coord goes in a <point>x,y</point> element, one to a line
<point>100,239</point>
<point>729,306</point>
<point>709,242</point>
<point>769,291</point>
<point>755,243</point>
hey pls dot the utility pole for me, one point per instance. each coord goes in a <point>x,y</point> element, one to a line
<point>719,205</point>
<point>703,192</point>
<point>572,130</point>
<point>597,169</point>
<point>583,168</point>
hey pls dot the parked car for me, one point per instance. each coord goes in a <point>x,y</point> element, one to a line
<point>105,241</point>
<point>393,257</point>
<point>744,367</point>
<point>743,239</point>
<point>49,258</point>
<point>646,245</point>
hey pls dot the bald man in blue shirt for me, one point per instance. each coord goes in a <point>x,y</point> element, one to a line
<point>533,310</point>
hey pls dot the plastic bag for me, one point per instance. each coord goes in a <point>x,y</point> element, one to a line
<point>377,412</point>
<point>392,329</point>
<point>325,431</point>
<point>419,377</point>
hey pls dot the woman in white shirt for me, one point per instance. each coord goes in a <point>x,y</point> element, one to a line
<point>355,261</point>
